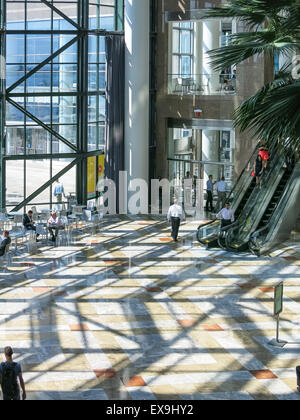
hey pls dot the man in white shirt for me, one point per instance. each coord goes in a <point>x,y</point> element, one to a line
<point>221,190</point>
<point>54,225</point>
<point>227,216</point>
<point>175,216</point>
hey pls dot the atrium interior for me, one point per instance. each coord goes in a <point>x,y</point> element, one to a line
<point>149,199</point>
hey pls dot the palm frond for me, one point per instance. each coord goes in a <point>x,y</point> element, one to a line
<point>236,54</point>
<point>274,112</point>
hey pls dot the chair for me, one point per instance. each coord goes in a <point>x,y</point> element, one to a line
<point>6,257</point>
<point>42,231</point>
<point>16,234</point>
<point>4,221</point>
<point>44,216</point>
<point>65,235</point>
<point>31,242</point>
<point>77,213</point>
<point>18,220</point>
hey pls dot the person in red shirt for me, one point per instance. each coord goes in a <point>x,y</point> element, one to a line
<point>264,153</point>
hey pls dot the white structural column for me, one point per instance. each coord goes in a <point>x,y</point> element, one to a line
<point>137,39</point>
<point>210,152</point>
<point>211,40</point>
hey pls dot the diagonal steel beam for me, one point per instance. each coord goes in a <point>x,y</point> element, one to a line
<point>46,185</point>
<point>41,124</point>
<point>60,13</point>
<point>42,64</point>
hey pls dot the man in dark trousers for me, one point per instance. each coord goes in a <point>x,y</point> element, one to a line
<point>298,377</point>
<point>210,193</point>
<point>10,372</point>
<point>175,215</point>
<point>4,242</point>
<point>28,222</point>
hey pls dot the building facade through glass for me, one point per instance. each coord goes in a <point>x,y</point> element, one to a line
<point>55,96</point>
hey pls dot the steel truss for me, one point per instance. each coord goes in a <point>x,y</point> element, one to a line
<point>79,151</point>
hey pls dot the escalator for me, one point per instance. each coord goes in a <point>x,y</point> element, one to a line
<point>260,205</point>
<point>271,211</point>
<point>208,234</point>
<point>275,199</point>
<point>264,213</point>
<point>281,216</point>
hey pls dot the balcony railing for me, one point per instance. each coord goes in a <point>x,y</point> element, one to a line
<point>202,84</point>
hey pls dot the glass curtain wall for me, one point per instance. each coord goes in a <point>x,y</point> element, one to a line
<point>55,97</point>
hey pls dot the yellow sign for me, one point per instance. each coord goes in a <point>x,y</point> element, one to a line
<point>100,167</point>
<point>91,169</point>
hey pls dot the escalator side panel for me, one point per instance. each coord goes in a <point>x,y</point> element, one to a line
<point>286,214</point>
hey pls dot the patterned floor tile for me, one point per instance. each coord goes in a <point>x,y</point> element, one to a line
<point>128,314</point>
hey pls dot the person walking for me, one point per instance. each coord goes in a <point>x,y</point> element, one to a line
<point>221,190</point>
<point>10,372</point>
<point>258,168</point>
<point>298,378</point>
<point>209,191</point>
<point>226,215</point>
<point>175,216</point>
<point>59,191</point>
<point>264,154</point>
<point>5,241</point>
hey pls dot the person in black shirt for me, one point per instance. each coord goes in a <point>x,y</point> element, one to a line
<point>10,373</point>
<point>28,222</point>
<point>5,241</point>
<point>258,168</point>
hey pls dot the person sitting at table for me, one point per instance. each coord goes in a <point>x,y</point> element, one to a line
<point>55,224</point>
<point>5,241</point>
<point>29,224</point>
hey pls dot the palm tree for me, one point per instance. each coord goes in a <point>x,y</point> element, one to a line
<point>274,29</point>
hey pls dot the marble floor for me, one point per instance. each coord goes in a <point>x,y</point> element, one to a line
<point>127,314</point>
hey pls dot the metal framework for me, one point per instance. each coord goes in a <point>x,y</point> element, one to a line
<point>81,33</point>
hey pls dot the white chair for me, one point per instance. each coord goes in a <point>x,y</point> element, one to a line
<point>16,235</point>
<point>6,258</point>
<point>18,220</point>
<point>97,220</point>
<point>42,231</point>
<point>67,233</point>
<point>77,213</point>
<point>31,242</point>
<point>4,222</point>
<point>44,216</point>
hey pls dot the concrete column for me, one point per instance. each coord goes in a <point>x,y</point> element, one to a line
<point>137,37</point>
<point>211,40</point>
<point>198,53</point>
<point>210,152</point>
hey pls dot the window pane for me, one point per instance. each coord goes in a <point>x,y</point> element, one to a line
<point>14,184</point>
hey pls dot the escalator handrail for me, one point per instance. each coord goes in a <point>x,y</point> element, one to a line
<point>207,224</point>
<point>274,146</point>
<point>242,173</point>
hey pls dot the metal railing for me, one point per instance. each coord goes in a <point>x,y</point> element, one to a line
<point>202,84</point>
